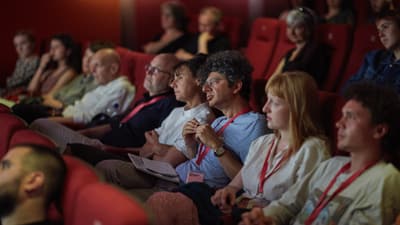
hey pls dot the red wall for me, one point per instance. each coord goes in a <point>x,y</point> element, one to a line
<point>82,19</point>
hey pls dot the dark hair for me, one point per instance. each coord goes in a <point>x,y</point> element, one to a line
<point>179,14</point>
<point>74,58</point>
<point>95,46</point>
<point>193,64</point>
<point>393,15</point>
<point>49,161</point>
<point>28,34</point>
<point>233,65</point>
<point>384,105</point>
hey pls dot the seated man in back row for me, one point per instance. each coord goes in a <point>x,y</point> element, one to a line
<point>360,189</point>
<point>383,66</point>
<point>31,177</point>
<point>127,131</point>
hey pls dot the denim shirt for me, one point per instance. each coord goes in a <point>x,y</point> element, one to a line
<point>380,67</point>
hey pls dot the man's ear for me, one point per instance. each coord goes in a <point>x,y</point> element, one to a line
<point>237,86</point>
<point>33,181</point>
<point>114,68</point>
<point>380,131</point>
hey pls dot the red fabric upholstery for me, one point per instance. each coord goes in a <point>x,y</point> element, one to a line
<point>331,110</point>
<point>261,44</point>
<point>230,26</point>
<point>338,36</point>
<point>4,108</point>
<point>79,175</point>
<point>283,46</point>
<point>29,136</point>
<point>99,203</point>
<point>9,125</point>
<point>365,39</point>
<point>140,60</point>
<point>127,62</point>
<point>362,11</point>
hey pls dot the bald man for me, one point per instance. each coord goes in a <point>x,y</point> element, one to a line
<point>114,92</point>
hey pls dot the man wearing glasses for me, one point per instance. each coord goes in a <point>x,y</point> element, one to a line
<point>123,131</point>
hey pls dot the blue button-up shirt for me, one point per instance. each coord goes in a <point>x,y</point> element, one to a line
<point>381,67</point>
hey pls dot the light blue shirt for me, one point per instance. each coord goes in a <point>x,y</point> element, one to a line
<point>237,138</point>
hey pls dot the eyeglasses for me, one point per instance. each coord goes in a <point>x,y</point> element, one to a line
<point>212,82</point>
<point>153,70</point>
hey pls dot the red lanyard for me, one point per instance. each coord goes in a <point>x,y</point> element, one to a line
<point>323,200</point>
<point>140,107</point>
<point>203,150</point>
<point>263,174</point>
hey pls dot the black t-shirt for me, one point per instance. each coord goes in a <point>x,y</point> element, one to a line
<point>131,133</point>
<point>218,43</point>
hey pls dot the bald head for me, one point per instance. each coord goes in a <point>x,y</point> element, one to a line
<point>105,65</point>
<point>159,74</point>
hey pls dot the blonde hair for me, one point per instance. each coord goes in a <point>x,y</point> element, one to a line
<point>300,91</point>
<point>214,11</point>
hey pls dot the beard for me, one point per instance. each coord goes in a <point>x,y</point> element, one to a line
<point>8,198</point>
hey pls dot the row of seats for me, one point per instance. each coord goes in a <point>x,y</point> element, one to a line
<point>268,43</point>
<point>85,199</point>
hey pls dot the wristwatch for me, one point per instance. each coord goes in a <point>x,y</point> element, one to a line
<point>218,152</point>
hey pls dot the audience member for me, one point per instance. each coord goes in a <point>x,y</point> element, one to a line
<point>166,142</point>
<point>308,55</point>
<point>67,95</point>
<point>378,7</point>
<point>360,189</point>
<point>27,62</point>
<point>275,161</point>
<point>126,131</point>
<point>339,12</point>
<point>31,178</point>
<point>173,22</point>
<point>222,147</point>
<point>209,39</point>
<point>57,67</point>
<point>114,91</point>
<point>383,66</point>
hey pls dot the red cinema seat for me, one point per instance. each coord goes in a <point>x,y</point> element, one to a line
<point>127,66</point>
<point>32,137</point>
<point>261,44</point>
<point>282,47</point>
<point>331,110</point>
<point>362,10</point>
<point>4,109</point>
<point>9,125</point>
<point>140,60</point>
<point>260,47</point>
<point>78,176</point>
<point>104,204</point>
<point>365,39</point>
<point>338,37</point>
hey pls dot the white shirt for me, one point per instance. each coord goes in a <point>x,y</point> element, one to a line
<point>119,92</point>
<point>313,151</point>
<point>170,131</point>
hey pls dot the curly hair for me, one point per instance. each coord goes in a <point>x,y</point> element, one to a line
<point>383,104</point>
<point>231,64</point>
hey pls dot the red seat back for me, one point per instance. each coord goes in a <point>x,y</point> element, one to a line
<point>365,39</point>
<point>29,136</point>
<point>127,62</point>
<point>99,203</point>
<point>79,175</point>
<point>4,108</point>
<point>261,44</point>
<point>9,125</point>
<point>331,110</point>
<point>282,47</point>
<point>338,37</point>
<point>140,60</point>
